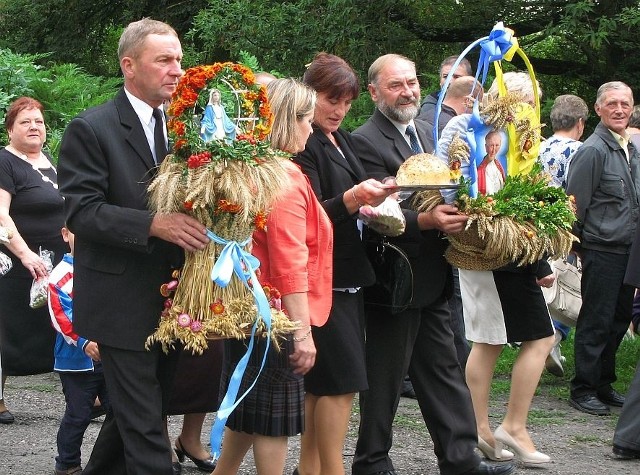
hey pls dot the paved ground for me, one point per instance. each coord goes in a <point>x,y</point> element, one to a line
<point>578,443</point>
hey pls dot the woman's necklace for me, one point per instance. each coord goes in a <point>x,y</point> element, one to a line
<point>21,155</point>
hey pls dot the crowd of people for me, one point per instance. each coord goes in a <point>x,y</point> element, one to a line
<point>92,212</point>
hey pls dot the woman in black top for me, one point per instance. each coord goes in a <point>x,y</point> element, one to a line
<point>31,206</point>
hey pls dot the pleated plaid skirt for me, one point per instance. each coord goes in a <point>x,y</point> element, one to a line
<point>275,405</point>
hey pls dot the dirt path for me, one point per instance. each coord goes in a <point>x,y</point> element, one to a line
<point>579,444</point>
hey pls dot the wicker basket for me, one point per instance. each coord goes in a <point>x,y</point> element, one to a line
<point>491,242</point>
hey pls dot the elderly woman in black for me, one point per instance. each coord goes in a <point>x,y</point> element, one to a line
<point>31,207</point>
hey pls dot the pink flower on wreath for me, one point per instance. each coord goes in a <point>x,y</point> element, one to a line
<point>276,303</point>
<point>196,326</point>
<point>184,320</point>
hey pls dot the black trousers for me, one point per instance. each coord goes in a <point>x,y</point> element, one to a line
<point>603,320</point>
<point>80,391</point>
<point>132,439</point>
<point>627,434</point>
<point>420,341</point>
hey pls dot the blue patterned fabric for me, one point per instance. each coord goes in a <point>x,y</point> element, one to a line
<point>555,156</point>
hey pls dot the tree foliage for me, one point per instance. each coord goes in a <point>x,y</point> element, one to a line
<point>574,45</point>
<point>64,90</point>
<point>84,32</point>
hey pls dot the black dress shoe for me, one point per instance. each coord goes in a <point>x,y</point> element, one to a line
<point>484,468</point>
<point>612,397</point>
<point>625,454</point>
<point>590,404</point>
<point>206,465</point>
<point>406,391</point>
<point>177,468</point>
<point>6,417</point>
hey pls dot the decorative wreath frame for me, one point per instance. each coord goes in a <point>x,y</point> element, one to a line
<point>253,104</point>
<point>229,186</point>
<point>527,219</point>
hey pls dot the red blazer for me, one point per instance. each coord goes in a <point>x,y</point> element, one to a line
<point>296,251</point>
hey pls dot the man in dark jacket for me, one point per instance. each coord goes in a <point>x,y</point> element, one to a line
<point>604,177</point>
<point>418,339</point>
<point>123,251</point>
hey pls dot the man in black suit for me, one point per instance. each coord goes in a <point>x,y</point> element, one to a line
<point>123,251</point>
<point>418,339</point>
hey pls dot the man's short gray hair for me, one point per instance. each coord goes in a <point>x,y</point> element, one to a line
<point>136,33</point>
<point>450,61</point>
<point>378,64</point>
<point>611,86</point>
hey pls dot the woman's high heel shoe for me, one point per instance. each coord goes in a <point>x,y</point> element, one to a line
<point>493,453</point>
<point>527,458</point>
<point>206,465</point>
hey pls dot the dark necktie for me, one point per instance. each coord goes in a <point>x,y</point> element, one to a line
<point>413,139</point>
<point>158,136</point>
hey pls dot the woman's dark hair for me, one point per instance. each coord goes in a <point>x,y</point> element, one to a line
<point>332,75</point>
<point>17,106</point>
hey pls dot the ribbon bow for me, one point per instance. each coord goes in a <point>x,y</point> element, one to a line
<point>233,258</point>
<point>501,44</point>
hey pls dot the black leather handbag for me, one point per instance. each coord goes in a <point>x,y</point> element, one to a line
<point>394,278</point>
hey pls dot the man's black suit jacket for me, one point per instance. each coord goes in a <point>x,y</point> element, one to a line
<point>382,149</point>
<point>104,170</point>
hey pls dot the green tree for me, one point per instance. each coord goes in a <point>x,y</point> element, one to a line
<point>64,90</point>
<point>574,45</point>
<point>84,32</point>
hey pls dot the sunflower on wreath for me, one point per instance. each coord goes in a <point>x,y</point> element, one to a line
<point>229,186</point>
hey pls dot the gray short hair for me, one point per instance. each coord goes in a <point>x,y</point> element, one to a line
<point>133,37</point>
<point>611,86</point>
<point>378,64</point>
<point>566,111</point>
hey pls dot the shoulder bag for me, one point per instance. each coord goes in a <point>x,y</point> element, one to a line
<point>563,297</point>
<point>394,278</point>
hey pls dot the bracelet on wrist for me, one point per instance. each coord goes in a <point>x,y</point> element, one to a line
<point>303,337</point>
<point>355,198</point>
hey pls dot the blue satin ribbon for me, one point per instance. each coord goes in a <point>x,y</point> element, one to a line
<point>496,47</point>
<point>476,132</point>
<point>235,260</point>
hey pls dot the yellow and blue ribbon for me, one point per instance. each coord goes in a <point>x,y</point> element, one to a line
<point>234,260</point>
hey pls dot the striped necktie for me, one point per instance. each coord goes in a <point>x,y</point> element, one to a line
<point>413,139</point>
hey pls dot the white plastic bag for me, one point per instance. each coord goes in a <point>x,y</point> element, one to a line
<point>5,263</point>
<point>386,219</point>
<point>39,287</point>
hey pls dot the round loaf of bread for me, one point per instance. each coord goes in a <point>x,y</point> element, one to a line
<point>423,169</point>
